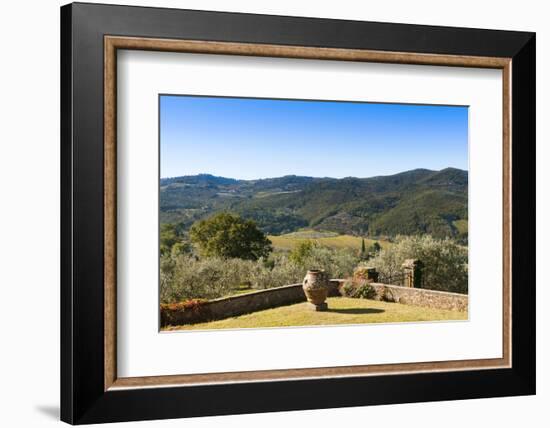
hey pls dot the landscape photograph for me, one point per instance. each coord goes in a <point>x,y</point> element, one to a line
<point>291,213</point>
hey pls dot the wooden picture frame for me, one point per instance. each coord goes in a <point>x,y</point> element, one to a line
<point>91,390</point>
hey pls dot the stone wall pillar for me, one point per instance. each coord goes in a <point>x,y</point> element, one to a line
<point>365,273</point>
<point>413,273</point>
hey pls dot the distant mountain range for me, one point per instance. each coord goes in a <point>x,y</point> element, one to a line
<point>412,202</point>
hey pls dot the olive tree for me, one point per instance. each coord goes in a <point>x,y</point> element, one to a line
<point>445,262</point>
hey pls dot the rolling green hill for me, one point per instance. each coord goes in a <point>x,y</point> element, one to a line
<point>411,202</point>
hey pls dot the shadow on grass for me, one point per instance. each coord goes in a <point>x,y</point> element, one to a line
<point>357,311</point>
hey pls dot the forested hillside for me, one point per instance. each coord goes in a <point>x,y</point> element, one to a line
<point>419,201</point>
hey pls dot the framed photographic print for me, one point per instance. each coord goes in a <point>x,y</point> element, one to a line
<point>266,213</point>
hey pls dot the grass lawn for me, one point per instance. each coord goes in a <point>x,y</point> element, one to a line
<point>328,239</point>
<point>342,310</point>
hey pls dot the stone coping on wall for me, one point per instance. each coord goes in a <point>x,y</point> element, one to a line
<point>226,307</point>
<point>266,291</point>
<point>421,297</point>
<point>231,306</point>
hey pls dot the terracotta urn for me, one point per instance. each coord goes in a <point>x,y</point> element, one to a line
<point>315,287</point>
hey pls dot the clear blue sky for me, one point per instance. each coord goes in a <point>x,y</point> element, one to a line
<point>256,138</point>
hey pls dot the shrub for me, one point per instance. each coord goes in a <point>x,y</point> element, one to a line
<point>170,313</point>
<point>348,288</point>
<point>366,291</point>
<point>186,305</point>
<point>358,289</point>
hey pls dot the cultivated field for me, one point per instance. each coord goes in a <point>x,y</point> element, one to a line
<point>327,239</point>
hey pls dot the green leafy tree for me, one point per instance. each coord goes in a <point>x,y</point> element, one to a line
<point>168,237</point>
<point>227,235</point>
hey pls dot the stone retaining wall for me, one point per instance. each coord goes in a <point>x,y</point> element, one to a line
<point>226,307</point>
<point>421,297</point>
<point>232,306</point>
